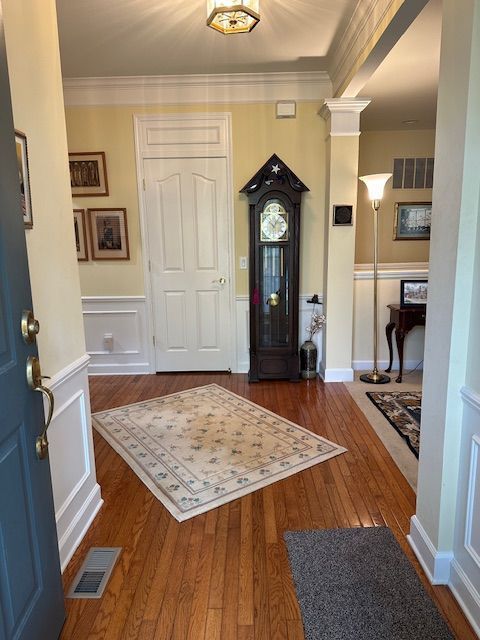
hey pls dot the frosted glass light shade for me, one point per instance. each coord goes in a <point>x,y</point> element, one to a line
<point>375,184</point>
<point>232,16</point>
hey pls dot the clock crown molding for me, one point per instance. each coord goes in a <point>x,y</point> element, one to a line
<point>273,171</point>
<point>197,88</point>
<point>343,115</point>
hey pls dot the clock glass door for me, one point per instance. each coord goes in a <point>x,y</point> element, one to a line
<point>274,320</point>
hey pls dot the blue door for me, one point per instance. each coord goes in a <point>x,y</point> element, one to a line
<point>31,597</point>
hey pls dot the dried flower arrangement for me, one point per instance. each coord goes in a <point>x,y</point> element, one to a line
<point>316,323</point>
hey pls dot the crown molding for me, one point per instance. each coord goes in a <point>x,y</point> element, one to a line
<point>194,89</point>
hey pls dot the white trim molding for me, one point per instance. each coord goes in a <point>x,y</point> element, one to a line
<point>436,564</point>
<point>124,318</point>
<point>336,375</point>
<point>466,594</point>
<point>392,271</point>
<point>76,494</point>
<point>343,114</point>
<point>194,89</point>
<point>471,398</point>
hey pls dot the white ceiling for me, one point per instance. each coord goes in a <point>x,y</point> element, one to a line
<point>159,37</point>
<point>102,38</point>
<point>404,87</point>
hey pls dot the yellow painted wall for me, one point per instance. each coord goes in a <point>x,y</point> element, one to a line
<point>38,110</point>
<point>257,134</point>
<point>377,151</point>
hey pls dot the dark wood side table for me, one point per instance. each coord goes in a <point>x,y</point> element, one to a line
<point>402,319</point>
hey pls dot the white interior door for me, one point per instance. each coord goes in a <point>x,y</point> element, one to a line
<point>188,245</point>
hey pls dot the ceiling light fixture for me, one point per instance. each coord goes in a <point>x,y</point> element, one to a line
<point>231,16</point>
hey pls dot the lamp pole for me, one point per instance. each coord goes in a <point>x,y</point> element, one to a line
<point>375,184</point>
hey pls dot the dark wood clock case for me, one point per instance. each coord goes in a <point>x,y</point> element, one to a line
<point>274,244</point>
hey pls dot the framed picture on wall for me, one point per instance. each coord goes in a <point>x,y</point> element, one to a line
<point>108,234</point>
<point>80,234</point>
<point>88,174</point>
<point>412,221</point>
<point>24,178</point>
<point>413,293</point>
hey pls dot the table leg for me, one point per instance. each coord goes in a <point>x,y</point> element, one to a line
<point>399,337</point>
<point>388,330</point>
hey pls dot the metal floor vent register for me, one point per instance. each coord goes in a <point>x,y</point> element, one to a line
<point>92,578</point>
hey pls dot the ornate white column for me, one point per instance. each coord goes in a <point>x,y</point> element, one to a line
<point>343,121</point>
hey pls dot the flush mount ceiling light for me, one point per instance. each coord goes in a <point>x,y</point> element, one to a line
<point>231,16</point>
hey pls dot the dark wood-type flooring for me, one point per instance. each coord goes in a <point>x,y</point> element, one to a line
<point>224,575</point>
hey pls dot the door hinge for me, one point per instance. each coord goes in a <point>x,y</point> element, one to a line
<point>143,182</point>
<point>153,337</point>
<point>149,265</point>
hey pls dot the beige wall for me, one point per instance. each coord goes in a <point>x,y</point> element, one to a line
<point>257,134</point>
<point>37,100</point>
<point>377,151</point>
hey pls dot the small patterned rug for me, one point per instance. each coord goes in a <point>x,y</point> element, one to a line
<point>403,411</point>
<point>198,449</point>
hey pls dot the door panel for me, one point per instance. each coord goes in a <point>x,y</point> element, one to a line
<point>31,595</point>
<point>188,243</point>
<point>169,203</point>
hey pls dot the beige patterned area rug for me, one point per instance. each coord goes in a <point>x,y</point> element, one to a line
<point>200,448</point>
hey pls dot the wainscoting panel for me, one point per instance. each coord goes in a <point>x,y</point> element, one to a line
<point>465,569</point>
<point>76,493</point>
<point>116,334</point>
<point>243,327</point>
<point>389,277</point>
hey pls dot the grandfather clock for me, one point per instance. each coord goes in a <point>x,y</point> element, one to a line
<point>274,195</point>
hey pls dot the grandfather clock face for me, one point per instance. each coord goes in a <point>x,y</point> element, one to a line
<point>273,267</point>
<point>273,222</point>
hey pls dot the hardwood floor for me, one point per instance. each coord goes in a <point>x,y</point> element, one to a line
<point>224,575</point>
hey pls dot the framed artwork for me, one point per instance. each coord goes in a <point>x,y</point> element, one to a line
<point>412,221</point>
<point>24,178</point>
<point>108,234</point>
<point>80,234</point>
<point>342,214</point>
<point>413,293</point>
<point>88,174</point>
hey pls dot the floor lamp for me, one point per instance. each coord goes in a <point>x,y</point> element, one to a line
<point>375,185</point>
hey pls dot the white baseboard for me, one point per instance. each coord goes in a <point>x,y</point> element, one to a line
<point>436,564</point>
<point>367,365</point>
<point>336,375</point>
<point>125,318</point>
<point>466,595</point>
<point>76,493</point>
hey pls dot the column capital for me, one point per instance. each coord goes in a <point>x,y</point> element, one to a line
<point>343,114</point>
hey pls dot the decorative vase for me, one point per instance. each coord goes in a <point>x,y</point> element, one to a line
<point>308,360</point>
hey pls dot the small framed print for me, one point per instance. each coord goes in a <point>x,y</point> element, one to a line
<point>80,234</point>
<point>108,234</point>
<point>413,293</point>
<point>24,178</point>
<point>412,221</point>
<point>88,174</point>
<point>342,215</point>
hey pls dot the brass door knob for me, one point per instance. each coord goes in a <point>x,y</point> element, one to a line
<point>30,327</point>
